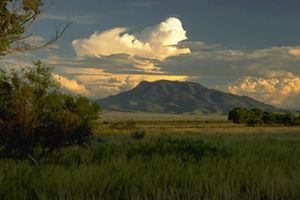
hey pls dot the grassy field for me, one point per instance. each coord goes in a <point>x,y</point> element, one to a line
<point>187,158</point>
<point>160,124</point>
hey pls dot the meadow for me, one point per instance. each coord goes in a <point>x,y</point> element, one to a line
<point>179,157</point>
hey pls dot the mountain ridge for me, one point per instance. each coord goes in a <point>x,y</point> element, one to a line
<point>166,96</point>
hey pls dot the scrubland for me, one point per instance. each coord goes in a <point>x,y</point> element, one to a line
<point>188,157</point>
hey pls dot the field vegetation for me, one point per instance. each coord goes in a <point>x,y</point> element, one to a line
<point>258,117</point>
<point>188,161</point>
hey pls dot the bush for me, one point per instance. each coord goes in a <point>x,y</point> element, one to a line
<point>138,134</point>
<point>180,148</point>
<point>286,119</point>
<point>269,118</point>
<point>35,113</point>
<point>297,121</point>
<point>255,117</point>
<point>124,125</point>
<point>238,115</point>
<point>254,121</point>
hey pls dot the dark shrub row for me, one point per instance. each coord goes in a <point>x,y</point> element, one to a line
<point>256,117</point>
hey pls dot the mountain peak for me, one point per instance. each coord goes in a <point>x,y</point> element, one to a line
<point>171,83</point>
<point>166,96</point>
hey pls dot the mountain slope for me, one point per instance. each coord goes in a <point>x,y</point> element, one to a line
<point>178,97</point>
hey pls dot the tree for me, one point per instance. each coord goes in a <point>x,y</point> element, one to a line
<point>256,117</point>
<point>33,110</point>
<point>269,118</point>
<point>287,119</point>
<point>253,119</point>
<point>257,112</point>
<point>238,115</point>
<point>35,113</point>
<point>16,18</point>
<point>297,121</point>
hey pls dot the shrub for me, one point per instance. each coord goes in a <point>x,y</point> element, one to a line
<point>255,117</point>
<point>184,149</point>
<point>35,113</point>
<point>124,125</point>
<point>297,121</point>
<point>269,118</point>
<point>138,134</point>
<point>254,121</point>
<point>238,115</point>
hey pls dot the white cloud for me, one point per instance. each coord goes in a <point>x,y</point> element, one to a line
<point>294,52</point>
<point>158,42</point>
<point>280,88</point>
<point>35,40</point>
<point>71,86</point>
<point>97,83</point>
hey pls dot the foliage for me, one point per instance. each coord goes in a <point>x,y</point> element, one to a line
<point>16,18</point>
<point>256,117</point>
<point>181,148</point>
<point>267,170</point>
<point>238,115</point>
<point>35,113</point>
<point>138,134</point>
<point>121,125</point>
<point>269,117</point>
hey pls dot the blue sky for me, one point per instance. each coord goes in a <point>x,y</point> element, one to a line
<point>233,23</point>
<point>239,46</point>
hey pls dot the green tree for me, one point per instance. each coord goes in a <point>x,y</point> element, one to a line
<point>254,118</point>
<point>297,121</point>
<point>238,115</point>
<point>288,119</point>
<point>269,118</point>
<point>257,112</point>
<point>35,113</point>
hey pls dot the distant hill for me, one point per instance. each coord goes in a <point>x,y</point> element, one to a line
<point>178,97</point>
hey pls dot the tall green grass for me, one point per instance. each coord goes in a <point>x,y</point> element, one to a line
<point>185,167</point>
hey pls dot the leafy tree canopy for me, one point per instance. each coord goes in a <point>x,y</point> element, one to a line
<point>35,113</point>
<point>255,117</point>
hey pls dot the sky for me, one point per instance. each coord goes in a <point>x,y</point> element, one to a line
<point>239,46</point>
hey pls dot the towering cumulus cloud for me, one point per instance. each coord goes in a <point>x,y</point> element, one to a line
<point>277,87</point>
<point>71,86</point>
<point>158,42</point>
<point>294,52</point>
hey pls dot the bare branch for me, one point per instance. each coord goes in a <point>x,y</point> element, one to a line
<point>22,45</point>
<point>16,19</point>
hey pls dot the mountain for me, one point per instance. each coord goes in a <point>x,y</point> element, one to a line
<point>178,97</point>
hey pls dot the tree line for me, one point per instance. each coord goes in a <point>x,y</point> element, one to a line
<point>257,117</point>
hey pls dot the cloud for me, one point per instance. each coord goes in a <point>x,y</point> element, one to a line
<point>96,83</point>
<point>158,42</point>
<point>214,65</point>
<point>280,88</point>
<point>36,41</point>
<point>77,18</point>
<point>71,86</point>
<point>270,74</point>
<point>294,52</point>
